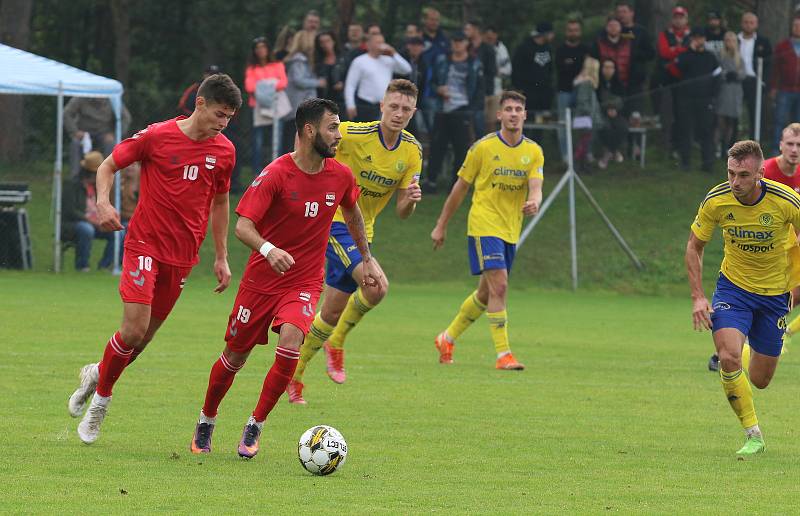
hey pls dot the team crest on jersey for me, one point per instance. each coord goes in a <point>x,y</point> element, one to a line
<point>400,166</point>
<point>525,160</point>
<point>765,220</point>
<point>211,161</point>
<point>330,198</point>
<point>305,296</point>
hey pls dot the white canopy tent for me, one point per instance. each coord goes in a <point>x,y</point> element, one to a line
<point>29,74</point>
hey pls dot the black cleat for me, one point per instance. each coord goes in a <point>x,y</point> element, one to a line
<point>713,363</point>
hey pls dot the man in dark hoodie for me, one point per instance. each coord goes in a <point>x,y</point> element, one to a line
<point>532,69</point>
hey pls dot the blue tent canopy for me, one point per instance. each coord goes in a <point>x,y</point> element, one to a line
<point>29,74</point>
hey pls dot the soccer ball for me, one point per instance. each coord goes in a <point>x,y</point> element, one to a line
<point>322,450</point>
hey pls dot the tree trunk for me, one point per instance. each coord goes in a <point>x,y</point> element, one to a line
<point>775,19</point>
<point>656,15</point>
<point>345,10</point>
<point>15,17</point>
<point>122,45</point>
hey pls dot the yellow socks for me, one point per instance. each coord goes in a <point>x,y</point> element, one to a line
<point>498,327</point>
<point>317,335</point>
<point>357,307</point>
<point>746,358</point>
<point>471,309</point>
<point>740,396</point>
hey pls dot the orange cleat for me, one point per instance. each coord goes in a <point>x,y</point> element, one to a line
<point>508,363</point>
<point>295,392</point>
<point>335,366</point>
<point>445,348</point>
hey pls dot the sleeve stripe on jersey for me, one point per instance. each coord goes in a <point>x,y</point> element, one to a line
<point>362,131</point>
<point>709,196</point>
<point>719,187</point>
<point>784,195</point>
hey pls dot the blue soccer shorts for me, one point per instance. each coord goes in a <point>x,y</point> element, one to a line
<point>342,258</point>
<point>761,318</point>
<point>486,253</point>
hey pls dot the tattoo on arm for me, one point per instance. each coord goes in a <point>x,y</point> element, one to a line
<point>355,225</point>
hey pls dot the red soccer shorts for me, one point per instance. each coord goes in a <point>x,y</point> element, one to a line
<point>147,281</point>
<point>253,312</point>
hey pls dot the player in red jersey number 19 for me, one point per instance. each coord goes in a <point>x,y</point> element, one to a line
<point>186,168</point>
<point>285,217</point>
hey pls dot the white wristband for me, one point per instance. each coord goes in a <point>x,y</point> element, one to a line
<point>266,247</point>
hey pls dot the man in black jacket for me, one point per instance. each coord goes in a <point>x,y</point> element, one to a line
<point>699,73</point>
<point>532,69</point>
<point>642,52</point>
<point>569,61</point>
<point>752,45</point>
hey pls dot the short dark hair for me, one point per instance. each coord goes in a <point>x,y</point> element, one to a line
<point>629,5</point>
<point>475,23</point>
<point>512,95</point>
<point>311,111</point>
<point>220,89</point>
<point>744,149</point>
<point>404,87</point>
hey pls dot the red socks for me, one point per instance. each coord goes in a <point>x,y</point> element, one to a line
<point>276,381</point>
<point>115,358</point>
<point>220,380</point>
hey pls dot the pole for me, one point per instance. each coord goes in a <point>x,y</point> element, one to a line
<point>573,238</point>
<point>57,177</point>
<point>276,141</point>
<point>117,187</point>
<point>759,89</point>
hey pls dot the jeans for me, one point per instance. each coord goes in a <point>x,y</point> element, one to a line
<point>84,234</point>
<point>564,100</point>
<point>260,133</point>
<point>695,122</point>
<point>787,109</point>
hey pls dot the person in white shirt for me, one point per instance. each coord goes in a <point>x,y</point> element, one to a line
<point>751,47</point>
<point>369,76</point>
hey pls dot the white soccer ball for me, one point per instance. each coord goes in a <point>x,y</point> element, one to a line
<point>322,450</point>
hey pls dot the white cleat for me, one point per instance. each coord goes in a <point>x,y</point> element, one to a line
<point>77,402</point>
<point>89,427</point>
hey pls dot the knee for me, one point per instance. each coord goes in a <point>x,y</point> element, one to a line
<point>331,315</point>
<point>235,359</point>
<point>499,289</point>
<point>729,362</point>
<point>760,382</point>
<point>376,294</point>
<point>133,334</point>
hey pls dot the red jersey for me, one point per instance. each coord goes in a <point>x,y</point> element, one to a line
<point>293,210</point>
<point>773,171</point>
<point>179,178</point>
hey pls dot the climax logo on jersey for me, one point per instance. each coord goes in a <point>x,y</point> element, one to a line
<point>210,162</point>
<point>330,198</point>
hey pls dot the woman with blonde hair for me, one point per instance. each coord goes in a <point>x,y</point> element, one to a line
<point>730,96</point>
<point>586,116</point>
<point>302,81</point>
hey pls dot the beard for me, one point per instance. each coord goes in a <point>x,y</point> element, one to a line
<point>324,150</point>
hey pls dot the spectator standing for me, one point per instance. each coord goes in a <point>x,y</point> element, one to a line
<point>503,64</point>
<point>282,42</point>
<point>79,215</point>
<point>369,76</point>
<point>642,53</point>
<point>569,62</point>
<point>485,53</point>
<point>785,87</point>
<point>311,22</point>
<point>611,45</point>
<point>587,111</point>
<point>532,69</point>
<point>715,33</point>
<point>729,101</point>
<point>412,30</point>
<point>672,42</point>
<point>329,66</point>
<point>613,132</point>
<point>414,46</point>
<point>457,81</point>
<point>752,46</point>
<point>189,95</point>
<point>436,44</point>
<point>302,81</point>
<point>91,125</point>
<point>699,82</point>
<point>264,77</point>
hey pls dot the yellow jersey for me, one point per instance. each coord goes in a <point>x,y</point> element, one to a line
<point>760,243</point>
<point>379,170</point>
<point>499,174</point>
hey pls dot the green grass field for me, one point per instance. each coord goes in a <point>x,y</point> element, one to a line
<point>616,412</point>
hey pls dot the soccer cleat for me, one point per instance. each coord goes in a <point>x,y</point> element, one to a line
<point>201,442</point>
<point>508,363</point>
<point>754,444</point>
<point>295,392</point>
<point>445,348</point>
<point>89,427</point>
<point>713,363</point>
<point>248,446</point>
<point>77,402</point>
<point>335,358</point>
